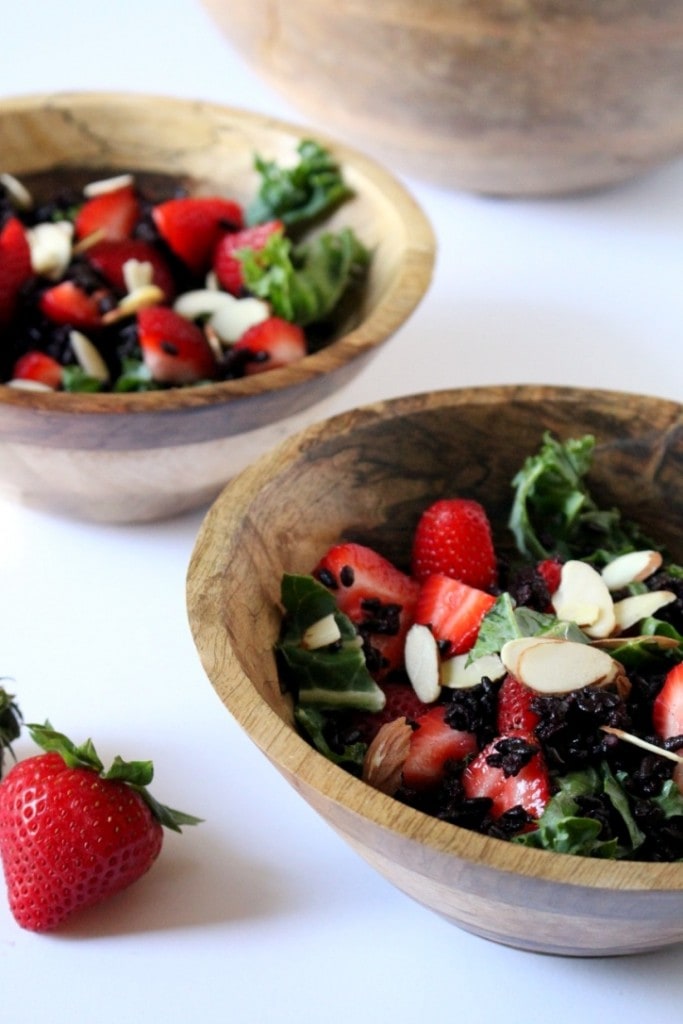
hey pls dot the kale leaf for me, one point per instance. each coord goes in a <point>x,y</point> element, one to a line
<point>300,194</point>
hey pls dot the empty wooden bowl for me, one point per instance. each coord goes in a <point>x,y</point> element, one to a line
<point>525,98</point>
<point>143,456</point>
<point>366,476</point>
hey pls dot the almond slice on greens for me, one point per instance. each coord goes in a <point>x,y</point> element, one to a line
<point>550,665</point>
<point>459,673</point>
<point>88,356</point>
<point>422,660</point>
<point>582,597</point>
<point>633,609</point>
<point>321,633</point>
<point>633,567</point>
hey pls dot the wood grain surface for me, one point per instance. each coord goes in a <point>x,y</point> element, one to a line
<point>366,476</point>
<point>499,96</point>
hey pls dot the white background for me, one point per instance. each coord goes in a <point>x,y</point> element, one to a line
<point>262,914</point>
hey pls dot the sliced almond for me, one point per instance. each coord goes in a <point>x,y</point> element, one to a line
<point>630,568</point>
<point>636,741</point>
<point>582,597</point>
<point>50,245</point>
<point>386,755</point>
<point>137,274</point>
<point>202,302</point>
<point>24,384</point>
<point>321,634</point>
<point>422,662</point>
<point>230,322</point>
<point>104,185</point>
<point>87,242</point>
<point>18,193</point>
<point>89,358</point>
<point>459,673</point>
<point>553,666</point>
<point>633,609</point>
<point>140,298</point>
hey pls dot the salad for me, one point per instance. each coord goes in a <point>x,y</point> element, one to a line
<point>119,287</point>
<point>535,697</point>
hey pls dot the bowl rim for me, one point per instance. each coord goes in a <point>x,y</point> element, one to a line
<point>401,299</point>
<point>292,755</point>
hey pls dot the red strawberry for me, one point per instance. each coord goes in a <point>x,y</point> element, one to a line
<point>453,537</point>
<point>667,713</point>
<point>108,258</point>
<point>40,367</point>
<point>192,226</point>
<point>453,610</point>
<point>374,594</point>
<point>66,303</point>
<point>529,788</point>
<point>73,834</point>
<point>175,349</point>
<point>550,569</point>
<point>401,702</point>
<point>432,745</point>
<point>15,266</point>
<point>515,713</point>
<point>112,214</point>
<point>227,266</point>
<point>272,343</point>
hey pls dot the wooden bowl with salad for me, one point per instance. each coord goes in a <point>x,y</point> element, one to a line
<point>182,285</point>
<point>488,706</point>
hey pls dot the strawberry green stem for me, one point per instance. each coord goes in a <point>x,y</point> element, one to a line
<point>136,774</point>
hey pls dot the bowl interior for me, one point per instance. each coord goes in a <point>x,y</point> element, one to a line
<point>366,476</point>
<point>212,149</point>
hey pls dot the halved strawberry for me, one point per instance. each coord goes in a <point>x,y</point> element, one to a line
<point>515,713</point>
<point>270,344</point>
<point>38,366</point>
<point>667,710</point>
<point>433,744</point>
<point>192,226</point>
<point>453,537</point>
<point>529,788</point>
<point>227,267</point>
<point>108,258</point>
<point>66,303</point>
<point>15,266</point>
<point>401,702</point>
<point>175,349</point>
<point>112,214</point>
<point>453,610</point>
<point>375,595</point>
<point>667,713</point>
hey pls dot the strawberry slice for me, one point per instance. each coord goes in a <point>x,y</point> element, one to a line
<point>38,366</point>
<point>15,266</point>
<point>667,713</point>
<point>453,538</point>
<point>515,713</point>
<point>109,257</point>
<point>375,595</point>
<point>227,267</point>
<point>550,569</point>
<point>453,610</point>
<point>484,776</point>
<point>401,701</point>
<point>270,344</point>
<point>112,214</point>
<point>192,226</point>
<point>433,744</point>
<point>66,303</point>
<point>175,349</point>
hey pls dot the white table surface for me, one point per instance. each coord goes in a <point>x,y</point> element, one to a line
<point>262,914</point>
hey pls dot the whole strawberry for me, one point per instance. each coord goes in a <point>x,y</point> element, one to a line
<point>73,834</point>
<point>453,538</point>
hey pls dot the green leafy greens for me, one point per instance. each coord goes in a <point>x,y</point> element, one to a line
<point>300,194</point>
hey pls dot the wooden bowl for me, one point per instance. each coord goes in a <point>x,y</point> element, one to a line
<point>366,475</point>
<point>525,98</point>
<point>143,456</point>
